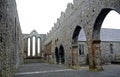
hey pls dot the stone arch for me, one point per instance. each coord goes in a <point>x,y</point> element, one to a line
<point>74,52</point>
<point>76,34</point>
<point>61,54</point>
<point>95,45</point>
<point>98,23</point>
<point>75,48</point>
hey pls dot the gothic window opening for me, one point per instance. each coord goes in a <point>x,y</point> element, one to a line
<point>28,47</point>
<point>33,46</point>
<point>38,45</point>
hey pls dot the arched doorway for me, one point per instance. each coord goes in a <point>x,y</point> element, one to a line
<point>95,45</point>
<point>57,55</point>
<point>61,54</point>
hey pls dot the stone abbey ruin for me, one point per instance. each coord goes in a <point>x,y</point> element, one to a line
<point>60,44</point>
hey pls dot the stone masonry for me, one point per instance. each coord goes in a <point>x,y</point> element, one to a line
<point>11,42</point>
<point>30,36</point>
<point>82,14</point>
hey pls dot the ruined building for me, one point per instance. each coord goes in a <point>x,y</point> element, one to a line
<point>82,14</point>
<point>36,49</point>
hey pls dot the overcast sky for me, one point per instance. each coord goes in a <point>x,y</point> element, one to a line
<point>41,15</point>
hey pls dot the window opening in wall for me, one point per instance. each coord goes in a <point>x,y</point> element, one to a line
<point>111,48</point>
<point>38,46</point>
<point>33,46</point>
<point>28,47</point>
<point>81,49</point>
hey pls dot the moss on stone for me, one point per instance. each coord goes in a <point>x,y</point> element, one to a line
<point>95,70</point>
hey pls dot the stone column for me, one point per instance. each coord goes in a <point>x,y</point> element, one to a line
<point>73,56</point>
<point>31,45</point>
<point>77,58</point>
<point>95,56</point>
<point>90,54</point>
<point>36,46</point>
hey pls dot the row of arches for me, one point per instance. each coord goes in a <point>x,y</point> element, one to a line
<point>59,55</point>
<point>97,25</point>
<point>93,44</point>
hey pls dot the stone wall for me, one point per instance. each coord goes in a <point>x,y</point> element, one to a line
<point>107,56</point>
<point>10,38</point>
<point>30,36</point>
<point>89,15</point>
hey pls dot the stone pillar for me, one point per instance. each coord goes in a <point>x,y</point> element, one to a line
<point>95,56</point>
<point>31,45</point>
<point>77,58</point>
<point>36,46</point>
<point>73,57</point>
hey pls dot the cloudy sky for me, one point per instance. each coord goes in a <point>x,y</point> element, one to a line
<point>41,15</point>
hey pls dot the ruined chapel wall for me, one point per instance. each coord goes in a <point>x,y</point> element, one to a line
<point>10,58</point>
